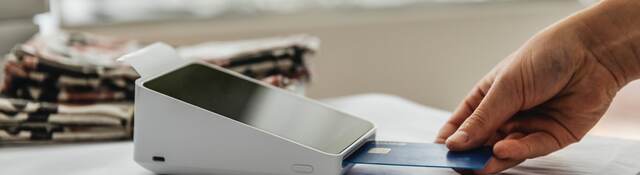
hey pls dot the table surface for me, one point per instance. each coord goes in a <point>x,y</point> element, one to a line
<point>397,120</point>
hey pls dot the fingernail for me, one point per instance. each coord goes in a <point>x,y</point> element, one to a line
<point>458,137</point>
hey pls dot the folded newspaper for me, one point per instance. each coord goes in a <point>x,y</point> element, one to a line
<point>70,88</point>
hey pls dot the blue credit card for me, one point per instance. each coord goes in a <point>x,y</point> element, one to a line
<point>419,155</point>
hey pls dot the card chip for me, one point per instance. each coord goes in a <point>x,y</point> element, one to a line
<point>379,150</point>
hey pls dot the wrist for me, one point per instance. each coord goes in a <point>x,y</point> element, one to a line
<point>610,31</point>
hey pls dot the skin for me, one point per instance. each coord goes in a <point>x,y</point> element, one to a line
<point>549,93</point>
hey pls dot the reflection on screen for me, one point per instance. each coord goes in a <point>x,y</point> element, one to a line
<point>269,109</point>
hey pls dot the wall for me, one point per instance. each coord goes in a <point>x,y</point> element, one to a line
<point>15,21</point>
<point>430,53</point>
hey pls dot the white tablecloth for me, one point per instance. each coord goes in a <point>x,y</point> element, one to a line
<point>396,118</point>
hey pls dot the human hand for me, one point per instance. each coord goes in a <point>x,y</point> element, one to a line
<point>546,95</point>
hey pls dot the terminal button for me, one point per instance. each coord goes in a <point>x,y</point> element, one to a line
<point>302,168</point>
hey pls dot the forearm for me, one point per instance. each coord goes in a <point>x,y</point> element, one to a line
<point>612,34</point>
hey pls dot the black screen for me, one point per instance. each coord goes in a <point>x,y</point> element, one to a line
<point>273,110</point>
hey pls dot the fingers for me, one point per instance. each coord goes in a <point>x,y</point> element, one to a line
<point>445,132</point>
<point>530,146</point>
<point>515,135</point>
<point>491,103</point>
<point>496,165</point>
<point>516,148</point>
<point>469,104</point>
<point>495,138</point>
<point>462,112</point>
<point>466,108</point>
<point>501,102</point>
<point>533,123</point>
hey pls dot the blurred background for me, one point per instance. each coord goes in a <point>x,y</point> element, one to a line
<point>429,51</point>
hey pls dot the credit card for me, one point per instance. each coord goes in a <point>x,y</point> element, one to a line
<point>419,155</point>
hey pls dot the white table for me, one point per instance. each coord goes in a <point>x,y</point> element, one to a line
<point>396,118</point>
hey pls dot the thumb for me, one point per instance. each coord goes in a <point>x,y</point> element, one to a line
<point>502,101</point>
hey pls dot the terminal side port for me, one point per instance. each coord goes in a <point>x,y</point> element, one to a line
<point>158,159</point>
